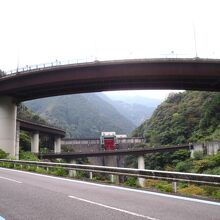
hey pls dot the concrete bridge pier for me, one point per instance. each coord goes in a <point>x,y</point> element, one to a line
<point>17,147</point>
<point>35,142</point>
<point>141,165</point>
<point>8,115</point>
<point>57,145</point>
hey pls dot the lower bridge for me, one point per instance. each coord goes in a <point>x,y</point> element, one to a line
<point>112,158</point>
<point>120,152</point>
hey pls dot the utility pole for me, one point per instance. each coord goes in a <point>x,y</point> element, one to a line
<point>195,44</point>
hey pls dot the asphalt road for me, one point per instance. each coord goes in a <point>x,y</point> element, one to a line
<point>26,195</point>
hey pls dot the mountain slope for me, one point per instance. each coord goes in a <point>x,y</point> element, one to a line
<point>136,109</point>
<point>184,117</point>
<point>82,115</point>
<point>150,102</point>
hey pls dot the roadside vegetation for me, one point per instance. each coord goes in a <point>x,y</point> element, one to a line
<point>199,164</point>
<point>179,161</point>
<point>184,117</point>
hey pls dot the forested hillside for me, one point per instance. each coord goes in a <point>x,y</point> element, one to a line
<point>82,115</point>
<point>183,117</point>
<point>23,112</point>
<point>134,108</point>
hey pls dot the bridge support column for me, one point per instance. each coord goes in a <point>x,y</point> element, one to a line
<point>72,173</point>
<point>141,165</point>
<point>17,140</point>
<point>57,145</point>
<point>35,142</point>
<point>8,115</point>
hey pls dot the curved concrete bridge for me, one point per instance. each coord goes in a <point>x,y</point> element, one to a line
<point>188,74</point>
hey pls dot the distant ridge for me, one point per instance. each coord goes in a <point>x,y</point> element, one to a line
<point>82,115</point>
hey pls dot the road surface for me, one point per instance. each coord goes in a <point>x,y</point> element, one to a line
<point>29,196</point>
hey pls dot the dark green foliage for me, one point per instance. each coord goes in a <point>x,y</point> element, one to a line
<point>185,117</point>
<point>3,154</point>
<point>27,156</point>
<point>182,185</point>
<point>6,165</point>
<point>184,166</point>
<point>178,156</point>
<point>164,186</point>
<point>131,181</point>
<point>211,113</point>
<point>58,171</point>
<point>159,161</point>
<point>26,114</point>
<point>25,141</point>
<point>212,191</point>
<point>83,115</point>
<point>198,155</point>
<point>204,164</point>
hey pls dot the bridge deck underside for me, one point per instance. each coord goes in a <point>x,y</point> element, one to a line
<point>186,74</point>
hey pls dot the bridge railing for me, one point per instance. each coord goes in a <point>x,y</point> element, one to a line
<point>139,173</point>
<point>29,68</point>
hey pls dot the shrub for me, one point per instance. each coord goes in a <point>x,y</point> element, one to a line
<point>3,154</point>
<point>212,191</point>
<point>41,170</point>
<point>184,166</point>
<point>131,181</point>
<point>32,168</point>
<point>198,155</point>
<point>82,174</point>
<point>164,186</point>
<point>182,185</point>
<point>214,171</point>
<point>180,155</point>
<point>216,159</point>
<point>25,141</point>
<point>201,165</point>
<point>59,171</point>
<point>100,177</point>
<point>6,165</point>
<point>192,190</point>
<point>28,156</point>
<point>151,183</point>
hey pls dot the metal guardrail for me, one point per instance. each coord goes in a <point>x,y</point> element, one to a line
<point>41,66</point>
<point>140,173</point>
<point>92,59</point>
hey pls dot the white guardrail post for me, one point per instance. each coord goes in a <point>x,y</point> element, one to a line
<point>72,173</point>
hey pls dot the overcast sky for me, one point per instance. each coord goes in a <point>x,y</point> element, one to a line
<point>41,31</point>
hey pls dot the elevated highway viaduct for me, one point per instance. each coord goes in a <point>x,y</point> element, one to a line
<point>35,130</point>
<point>135,151</point>
<point>187,74</point>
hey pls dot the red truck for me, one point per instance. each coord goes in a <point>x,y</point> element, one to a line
<point>108,140</point>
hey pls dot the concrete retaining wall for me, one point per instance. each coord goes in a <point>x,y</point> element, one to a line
<point>208,148</point>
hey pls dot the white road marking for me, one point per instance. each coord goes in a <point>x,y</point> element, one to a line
<point>120,188</point>
<point>113,208</point>
<point>12,180</point>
